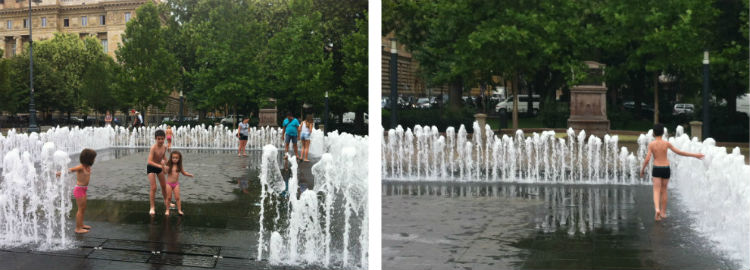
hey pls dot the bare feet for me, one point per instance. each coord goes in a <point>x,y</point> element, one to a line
<point>166,213</point>
<point>181,213</point>
<point>657,215</point>
<point>307,160</point>
<point>81,231</point>
<point>152,211</point>
<point>87,227</point>
<point>664,214</point>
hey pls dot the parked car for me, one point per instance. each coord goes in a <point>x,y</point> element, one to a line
<point>423,103</point>
<point>523,104</point>
<point>75,119</point>
<point>683,108</point>
<point>230,120</point>
<point>348,118</point>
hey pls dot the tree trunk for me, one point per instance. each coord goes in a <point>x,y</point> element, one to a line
<point>656,98</point>
<point>455,94</point>
<point>732,100</point>
<point>637,91</point>
<point>515,101</point>
<point>530,101</point>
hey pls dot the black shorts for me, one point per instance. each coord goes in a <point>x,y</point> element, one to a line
<point>243,137</point>
<point>661,171</point>
<point>152,169</point>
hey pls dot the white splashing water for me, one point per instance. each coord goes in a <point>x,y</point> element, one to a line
<point>326,225</point>
<point>34,203</point>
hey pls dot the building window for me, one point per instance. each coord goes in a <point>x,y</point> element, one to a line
<point>10,25</point>
<point>66,22</point>
<point>104,45</point>
<point>127,17</point>
<point>84,21</point>
<point>13,50</point>
<point>102,20</point>
<point>25,23</point>
<point>44,21</point>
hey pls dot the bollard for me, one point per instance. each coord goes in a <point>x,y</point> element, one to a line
<point>696,129</point>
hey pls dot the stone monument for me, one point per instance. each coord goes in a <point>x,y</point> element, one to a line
<point>588,103</point>
<point>267,115</point>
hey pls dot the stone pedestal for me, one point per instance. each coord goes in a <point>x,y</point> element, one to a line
<point>696,129</point>
<point>267,117</point>
<point>588,103</point>
<point>482,121</point>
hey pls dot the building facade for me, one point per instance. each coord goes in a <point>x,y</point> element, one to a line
<point>103,19</point>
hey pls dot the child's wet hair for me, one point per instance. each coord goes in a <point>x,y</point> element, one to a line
<point>658,130</point>
<point>87,157</point>
<point>159,133</point>
<point>178,164</point>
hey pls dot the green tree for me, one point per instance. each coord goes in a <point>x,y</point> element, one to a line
<point>354,90</point>
<point>150,71</point>
<point>299,62</point>
<point>228,52</point>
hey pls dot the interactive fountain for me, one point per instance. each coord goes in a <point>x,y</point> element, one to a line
<point>714,190</point>
<point>324,226</point>
<point>35,205</point>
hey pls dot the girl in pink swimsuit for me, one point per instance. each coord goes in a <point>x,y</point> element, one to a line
<point>174,168</point>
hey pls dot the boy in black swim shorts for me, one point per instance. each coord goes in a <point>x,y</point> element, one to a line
<point>661,172</point>
<point>155,167</point>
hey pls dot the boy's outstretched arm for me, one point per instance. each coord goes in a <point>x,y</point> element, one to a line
<point>645,161</point>
<point>683,153</point>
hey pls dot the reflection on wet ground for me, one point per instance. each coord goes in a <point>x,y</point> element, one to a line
<point>525,226</point>
<point>219,228</point>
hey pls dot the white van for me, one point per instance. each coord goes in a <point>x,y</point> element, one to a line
<point>743,104</point>
<point>523,104</point>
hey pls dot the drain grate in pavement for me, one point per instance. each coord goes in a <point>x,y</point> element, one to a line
<point>121,255</point>
<point>183,260</point>
<point>133,245</point>
<point>192,249</point>
<point>74,252</point>
<point>90,242</point>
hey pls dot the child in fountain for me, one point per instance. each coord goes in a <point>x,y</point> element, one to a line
<point>660,172</point>
<point>154,168</point>
<point>169,138</point>
<point>83,175</point>
<point>174,168</point>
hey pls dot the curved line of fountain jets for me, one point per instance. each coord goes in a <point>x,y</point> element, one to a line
<point>425,154</point>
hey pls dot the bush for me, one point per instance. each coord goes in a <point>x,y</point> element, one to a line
<point>619,118</point>
<point>555,114</point>
<point>442,118</point>
<point>726,126</point>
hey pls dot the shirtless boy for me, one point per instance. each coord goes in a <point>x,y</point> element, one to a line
<point>661,172</point>
<point>155,168</point>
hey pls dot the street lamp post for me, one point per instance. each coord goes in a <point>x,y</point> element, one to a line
<point>32,110</point>
<point>394,83</point>
<point>325,121</point>
<point>181,101</point>
<point>706,96</point>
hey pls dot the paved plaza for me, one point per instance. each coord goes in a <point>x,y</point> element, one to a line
<point>219,229</point>
<point>523,226</point>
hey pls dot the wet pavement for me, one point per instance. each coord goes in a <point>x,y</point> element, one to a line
<point>218,231</point>
<point>526,226</point>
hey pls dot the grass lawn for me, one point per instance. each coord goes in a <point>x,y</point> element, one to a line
<point>534,122</point>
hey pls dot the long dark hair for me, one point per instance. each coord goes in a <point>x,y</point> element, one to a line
<point>179,163</point>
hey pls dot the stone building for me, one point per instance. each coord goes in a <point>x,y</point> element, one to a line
<point>103,19</point>
<point>409,81</point>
